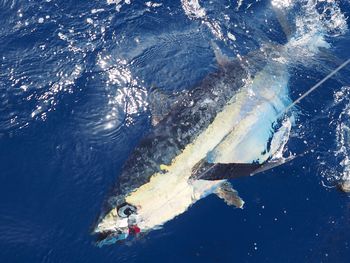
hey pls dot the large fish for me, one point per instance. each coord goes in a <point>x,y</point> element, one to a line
<point>228,126</point>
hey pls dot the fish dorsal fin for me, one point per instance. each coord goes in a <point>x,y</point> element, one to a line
<point>286,25</point>
<point>229,195</point>
<point>221,58</point>
<point>222,171</point>
<point>285,19</point>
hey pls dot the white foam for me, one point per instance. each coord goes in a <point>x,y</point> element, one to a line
<point>151,4</point>
<point>118,3</point>
<point>315,22</point>
<point>282,3</point>
<point>231,36</point>
<point>95,11</point>
<point>193,9</point>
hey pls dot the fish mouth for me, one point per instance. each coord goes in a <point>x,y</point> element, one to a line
<point>110,237</point>
<point>117,225</point>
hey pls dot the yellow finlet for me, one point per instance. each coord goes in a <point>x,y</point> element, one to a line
<point>164,167</point>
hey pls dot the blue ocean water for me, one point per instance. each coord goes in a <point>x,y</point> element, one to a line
<point>74,76</point>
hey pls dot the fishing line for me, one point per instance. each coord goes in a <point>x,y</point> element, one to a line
<point>317,85</point>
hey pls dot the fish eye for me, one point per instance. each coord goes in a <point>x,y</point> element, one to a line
<point>125,210</point>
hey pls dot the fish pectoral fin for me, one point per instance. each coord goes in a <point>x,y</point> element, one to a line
<point>229,195</point>
<point>221,171</point>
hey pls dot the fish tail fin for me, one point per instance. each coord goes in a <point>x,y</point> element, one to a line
<point>282,17</point>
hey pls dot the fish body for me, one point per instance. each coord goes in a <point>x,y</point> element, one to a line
<point>230,117</point>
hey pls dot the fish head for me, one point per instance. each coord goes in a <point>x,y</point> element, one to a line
<point>118,224</point>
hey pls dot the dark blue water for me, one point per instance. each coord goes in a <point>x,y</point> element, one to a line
<point>73,80</point>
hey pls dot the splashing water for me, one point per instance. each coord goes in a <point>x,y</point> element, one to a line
<point>315,22</point>
<point>312,24</point>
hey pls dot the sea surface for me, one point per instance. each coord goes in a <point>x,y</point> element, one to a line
<point>74,81</point>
